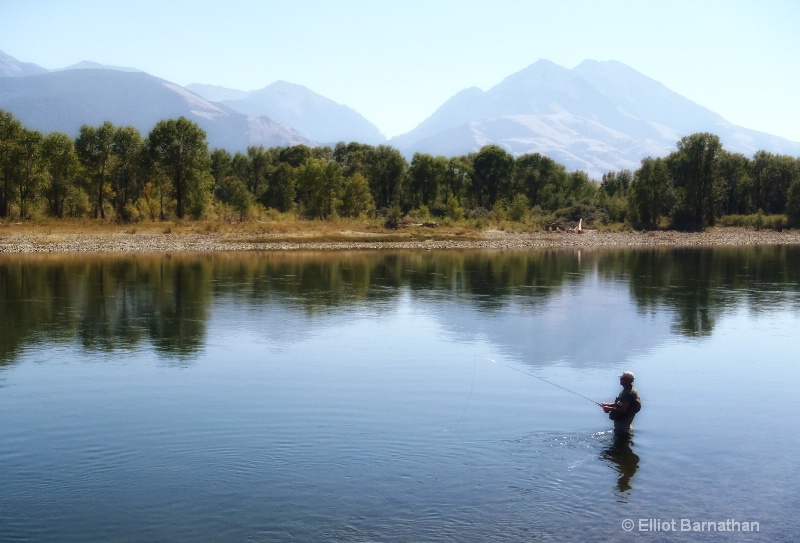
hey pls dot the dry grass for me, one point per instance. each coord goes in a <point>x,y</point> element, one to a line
<point>286,230</point>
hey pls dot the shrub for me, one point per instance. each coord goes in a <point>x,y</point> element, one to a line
<point>519,208</point>
<point>393,216</point>
<point>793,204</point>
<point>478,213</point>
<point>454,212</point>
<point>756,221</point>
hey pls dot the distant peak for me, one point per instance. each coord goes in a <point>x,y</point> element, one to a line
<point>544,63</point>
<point>89,65</point>
<point>285,85</point>
<point>543,67</point>
<point>536,73</point>
<point>11,67</point>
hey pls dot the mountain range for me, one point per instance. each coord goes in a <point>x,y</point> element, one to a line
<point>320,119</point>
<point>597,117</point>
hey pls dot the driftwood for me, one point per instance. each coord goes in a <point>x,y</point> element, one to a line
<point>567,227</point>
<point>407,223</point>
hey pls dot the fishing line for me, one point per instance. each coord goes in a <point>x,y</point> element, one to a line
<point>469,398</point>
<point>543,380</point>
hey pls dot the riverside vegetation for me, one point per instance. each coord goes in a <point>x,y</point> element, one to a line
<point>117,175</point>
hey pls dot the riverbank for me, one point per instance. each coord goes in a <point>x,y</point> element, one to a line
<point>156,238</point>
<point>135,241</point>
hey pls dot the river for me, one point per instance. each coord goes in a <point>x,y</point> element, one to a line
<point>399,396</point>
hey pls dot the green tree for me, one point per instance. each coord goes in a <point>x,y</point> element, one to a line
<point>651,191</point>
<point>320,185</point>
<point>694,168</point>
<point>241,198</point>
<point>614,183</point>
<point>772,177</point>
<point>62,168</point>
<point>425,175</point>
<point>736,184</point>
<point>30,174</point>
<point>295,156</point>
<point>793,204</point>
<point>613,194</point>
<point>261,161</point>
<point>11,131</point>
<point>386,170</point>
<point>178,147</point>
<point>221,166</point>
<point>94,148</point>
<point>456,181</point>
<point>282,188</point>
<point>580,189</point>
<point>353,157</point>
<point>519,208</point>
<point>356,197</point>
<point>126,171</point>
<point>491,180</point>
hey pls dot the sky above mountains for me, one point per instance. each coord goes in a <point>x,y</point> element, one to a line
<point>396,62</point>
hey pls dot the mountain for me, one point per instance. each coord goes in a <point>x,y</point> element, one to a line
<point>597,117</point>
<point>89,65</point>
<point>11,67</point>
<point>215,93</point>
<point>318,118</point>
<point>64,100</point>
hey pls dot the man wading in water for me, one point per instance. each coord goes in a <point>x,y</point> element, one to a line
<point>624,407</point>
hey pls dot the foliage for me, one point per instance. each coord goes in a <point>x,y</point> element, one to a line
<point>113,172</point>
<point>651,192</point>
<point>491,178</point>
<point>756,221</point>
<point>694,170</point>
<point>178,148</point>
<point>61,166</point>
<point>453,211</point>
<point>93,146</point>
<point>320,186</point>
<point>793,204</point>
<point>394,216</point>
<point>356,197</point>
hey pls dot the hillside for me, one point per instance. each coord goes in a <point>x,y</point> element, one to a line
<point>316,117</point>
<point>64,100</point>
<point>597,117</point>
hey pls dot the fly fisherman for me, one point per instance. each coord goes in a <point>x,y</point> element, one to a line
<point>624,408</point>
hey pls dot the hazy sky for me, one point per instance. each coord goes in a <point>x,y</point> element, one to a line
<point>396,62</point>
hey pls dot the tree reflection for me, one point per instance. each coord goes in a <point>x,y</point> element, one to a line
<point>121,302</point>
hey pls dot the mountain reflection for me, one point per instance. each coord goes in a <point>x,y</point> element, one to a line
<point>121,302</point>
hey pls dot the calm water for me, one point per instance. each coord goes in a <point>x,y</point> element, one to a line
<point>393,396</point>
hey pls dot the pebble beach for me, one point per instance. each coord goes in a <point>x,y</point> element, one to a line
<point>154,242</point>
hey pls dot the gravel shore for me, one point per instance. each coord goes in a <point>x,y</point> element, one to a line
<point>119,242</point>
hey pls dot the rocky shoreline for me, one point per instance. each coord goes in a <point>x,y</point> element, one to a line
<point>120,242</point>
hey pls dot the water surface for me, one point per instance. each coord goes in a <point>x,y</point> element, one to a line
<point>393,396</point>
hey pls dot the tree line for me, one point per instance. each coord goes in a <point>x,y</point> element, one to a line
<point>116,173</point>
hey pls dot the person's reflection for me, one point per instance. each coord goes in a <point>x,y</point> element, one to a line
<point>623,460</point>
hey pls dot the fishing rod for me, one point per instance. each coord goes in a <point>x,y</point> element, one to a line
<point>543,380</point>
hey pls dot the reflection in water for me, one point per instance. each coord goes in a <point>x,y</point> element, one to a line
<point>121,302</point>
<point>349,396</point>
<point>622,458</point>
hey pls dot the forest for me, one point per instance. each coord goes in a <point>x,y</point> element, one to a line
<point>117,174</point>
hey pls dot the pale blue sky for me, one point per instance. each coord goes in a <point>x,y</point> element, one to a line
<point>396,62</point>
